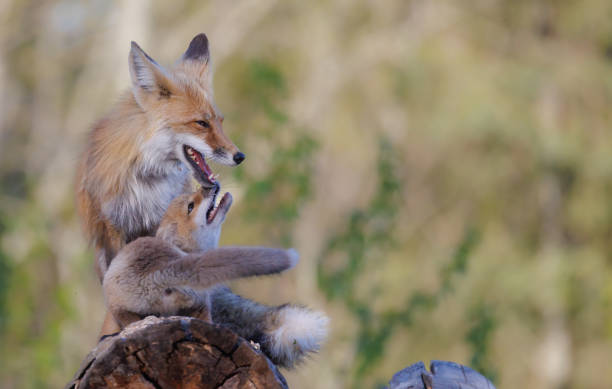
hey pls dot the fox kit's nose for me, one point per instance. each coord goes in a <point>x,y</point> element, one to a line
<point>239,157</point>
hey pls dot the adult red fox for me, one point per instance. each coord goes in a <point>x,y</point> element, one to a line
<point>143,153</point>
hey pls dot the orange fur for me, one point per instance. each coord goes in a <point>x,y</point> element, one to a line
<point>133,165</point>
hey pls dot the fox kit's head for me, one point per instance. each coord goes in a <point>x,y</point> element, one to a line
<point>193,222</point>
<point>179,104</point>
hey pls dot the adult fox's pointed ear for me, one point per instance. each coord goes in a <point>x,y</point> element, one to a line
<point>149,79</point>
<point>198,49</point>
<point>197,55</point>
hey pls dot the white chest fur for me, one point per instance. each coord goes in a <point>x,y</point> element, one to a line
<point>154,181</point>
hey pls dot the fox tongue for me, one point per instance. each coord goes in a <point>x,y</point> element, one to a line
<point>205,168</point>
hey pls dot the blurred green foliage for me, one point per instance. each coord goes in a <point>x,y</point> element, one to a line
<point>479,337</point>
<point>369,237</point>
<point>289,171</point>
<point>5,276</point>
<point>444,169</point>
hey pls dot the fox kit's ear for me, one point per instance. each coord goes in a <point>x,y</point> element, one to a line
<point>197,56</point>
<point>149,79</point>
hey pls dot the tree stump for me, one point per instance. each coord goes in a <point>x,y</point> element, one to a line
<point>176,352</point>
<point>444,375</point>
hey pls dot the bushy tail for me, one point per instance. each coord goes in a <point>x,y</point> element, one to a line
<point>287,334</point>
<point>296,333</point>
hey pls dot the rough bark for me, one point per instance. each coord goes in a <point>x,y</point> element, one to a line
<point>176,352</point>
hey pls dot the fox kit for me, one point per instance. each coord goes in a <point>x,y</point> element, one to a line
<point>142,154</point>
<point>177,272</point>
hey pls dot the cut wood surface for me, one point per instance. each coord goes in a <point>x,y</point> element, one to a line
<point>443,375</point>
<point>176,352</point>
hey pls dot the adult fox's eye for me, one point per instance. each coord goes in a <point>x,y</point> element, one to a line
<point>190,208</point>
<point>203,123</point>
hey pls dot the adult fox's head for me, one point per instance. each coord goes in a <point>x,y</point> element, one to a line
<point>180,106</point>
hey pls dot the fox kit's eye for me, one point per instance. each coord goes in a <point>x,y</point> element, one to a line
<point>203,123</point>
<point>190,208</point>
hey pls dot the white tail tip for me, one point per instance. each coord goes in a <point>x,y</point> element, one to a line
<point>301,331</point>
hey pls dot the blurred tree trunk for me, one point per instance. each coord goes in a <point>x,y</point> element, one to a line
<point>553,359</point>
<point>176,352</point>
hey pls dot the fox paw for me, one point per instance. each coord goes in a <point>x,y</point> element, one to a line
<point>294,257</point>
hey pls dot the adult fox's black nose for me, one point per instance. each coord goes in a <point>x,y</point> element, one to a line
<point>239,157</point>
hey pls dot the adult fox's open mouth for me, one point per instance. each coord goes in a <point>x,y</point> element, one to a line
<point>199,165</point>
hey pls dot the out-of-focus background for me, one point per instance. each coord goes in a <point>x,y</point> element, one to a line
<point>444,169</point>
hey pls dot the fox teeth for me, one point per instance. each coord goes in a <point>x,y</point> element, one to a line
<point>212,177</point>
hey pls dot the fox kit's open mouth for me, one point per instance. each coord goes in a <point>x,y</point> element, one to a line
<point>198,163</point>
<point>221,209</point>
